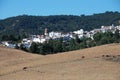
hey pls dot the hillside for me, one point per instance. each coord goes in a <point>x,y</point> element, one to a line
<point>26,24</point>
<point>97,63</point>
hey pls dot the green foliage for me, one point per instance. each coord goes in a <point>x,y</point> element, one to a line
<point>22,47</point>
<point>33,48</point>
<point>72,44</point>
<point>5,37</point>
<point>16,46</point>
<point>25,24</point>
<point>117,36</point>
<point>11,37</point>
<point>57,46</point>
<point>91,43</point>
<point>106,38</point>
<point>47,49</point>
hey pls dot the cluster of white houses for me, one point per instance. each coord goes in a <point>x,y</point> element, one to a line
<point>56,35</point>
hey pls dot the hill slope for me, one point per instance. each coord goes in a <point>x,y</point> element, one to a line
<point>65,66</point>
<point>65,23</point>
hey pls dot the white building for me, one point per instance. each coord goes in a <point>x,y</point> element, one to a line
<point>26,41</point>
<point>36,40</point>
<point>108,28</point>
<point>42,40</point>
<point>54,35</point>
<point>8,44</point>
<point>78,32</point>
<point>118,27</point>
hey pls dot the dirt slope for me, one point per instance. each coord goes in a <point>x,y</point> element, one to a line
<point>85,64</point>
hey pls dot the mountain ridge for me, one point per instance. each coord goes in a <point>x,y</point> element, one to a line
<point>65,23</point>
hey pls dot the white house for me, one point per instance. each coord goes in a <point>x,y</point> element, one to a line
<point>8,44</point>
<point>81,31</point>
<point>54,35</point>
<point>118,27</point>
<point>42,40</point>
<point>37,40</point>
<point>26,41</point>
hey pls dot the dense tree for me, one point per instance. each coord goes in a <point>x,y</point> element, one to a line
<point>117,36</point>
<point>11,37</point>
<point>24,24</point>
<point>16,46</point>
<point>5,37</point>
<point>72,44</point>
<point>107,37</point>
<point>22,47</point>
<point>33,48</point>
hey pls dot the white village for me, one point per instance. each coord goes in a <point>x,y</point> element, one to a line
<point>54,35</point>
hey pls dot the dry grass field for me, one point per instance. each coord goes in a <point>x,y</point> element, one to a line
<point>97,63</point>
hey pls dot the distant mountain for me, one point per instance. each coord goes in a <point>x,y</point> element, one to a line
<point>65,23</point>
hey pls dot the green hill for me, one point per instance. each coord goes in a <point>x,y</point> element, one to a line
<point>36,24</point>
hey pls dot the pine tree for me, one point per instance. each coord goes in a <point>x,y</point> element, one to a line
<point>33,48</point>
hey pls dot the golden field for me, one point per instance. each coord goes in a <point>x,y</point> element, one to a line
<point>85,64</point>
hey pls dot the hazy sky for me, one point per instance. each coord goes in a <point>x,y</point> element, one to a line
<point>9,8</point>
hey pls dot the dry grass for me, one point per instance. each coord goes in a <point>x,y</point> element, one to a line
<point>19,65</point>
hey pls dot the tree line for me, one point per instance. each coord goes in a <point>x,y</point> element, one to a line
<point>13,38</point>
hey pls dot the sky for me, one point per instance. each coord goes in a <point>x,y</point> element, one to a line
<point>9,8</point>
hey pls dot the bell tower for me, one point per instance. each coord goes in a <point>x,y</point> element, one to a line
<point>46,32</point>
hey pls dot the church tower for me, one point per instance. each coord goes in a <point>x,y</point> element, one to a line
<point>46,32</point>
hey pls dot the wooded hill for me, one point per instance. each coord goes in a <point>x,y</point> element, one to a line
<point>36,24</point>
